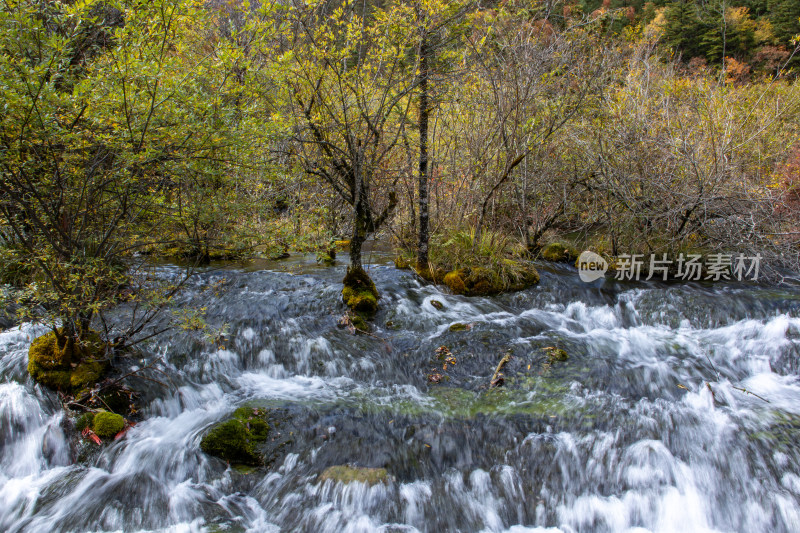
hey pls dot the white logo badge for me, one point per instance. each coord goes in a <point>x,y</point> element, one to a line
<point>591,266</point>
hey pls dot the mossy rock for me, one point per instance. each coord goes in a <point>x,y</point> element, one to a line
<point>236,440</point>
<point>349,474</point>
<point>559,253</point>
<point>458,326</point>
<point>106,424</point>
<point>480,281</point>
<point>359,292</point>
<point>528,276</point>
<point>359,322</point>
<point>436,304</point>
<point>49,362</point>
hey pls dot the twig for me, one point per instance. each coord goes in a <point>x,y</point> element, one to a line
<point>494,382</point>
<point>751,393</point>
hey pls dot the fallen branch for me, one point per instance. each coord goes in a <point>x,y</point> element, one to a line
<point>497,377</point>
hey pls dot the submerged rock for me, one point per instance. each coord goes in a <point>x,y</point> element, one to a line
<point>236,440</point>
<point>349,474</point>
<point>58,366</point>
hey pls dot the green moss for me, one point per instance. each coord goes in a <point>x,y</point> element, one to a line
<point>359,322</point>
<point>437,305</point>
<point>458,326</point>
<point>107,424</point>
<point>87,373</point>
<point>359,292</point>
<point>559,253</point>
<point>455,402</point>
<point>49,362</point>
<point>433,275</point>
<point>402,262</point>
<point>84,421</point>
<point>236,440</point>
<point>349,474</point>
<point>480,281</point>
<point>455,281</point>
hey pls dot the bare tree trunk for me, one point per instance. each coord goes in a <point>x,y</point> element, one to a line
<point>424,235</point>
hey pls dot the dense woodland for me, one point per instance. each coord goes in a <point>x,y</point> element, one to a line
<point>463,133</point>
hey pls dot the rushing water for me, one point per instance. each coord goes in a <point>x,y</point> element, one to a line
<point>644,428</point>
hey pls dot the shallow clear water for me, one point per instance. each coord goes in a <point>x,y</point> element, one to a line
<point>643,428</point>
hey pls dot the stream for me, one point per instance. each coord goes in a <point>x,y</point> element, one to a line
<point>678,410</point>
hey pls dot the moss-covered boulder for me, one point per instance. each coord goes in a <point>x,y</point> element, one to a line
<point>106,424</point>
<point>480,281</point>
<point>359,292</point>
<point>51,359</point>
<point>236,440</point>
<point>349,474</point>
<point>559,253</point>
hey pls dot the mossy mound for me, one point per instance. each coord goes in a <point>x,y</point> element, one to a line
<point>559,253</point>
<point>349,474</point>
<point>402,262</point>
<point>359,292</point>
<point>480,281</point>
<point>50,361</point>
<point>236,440</point>
<point>106,424</point>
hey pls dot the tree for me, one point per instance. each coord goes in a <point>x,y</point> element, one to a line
<point>532,79</point>
<point>107,106</point>
<point>350,102</point>
<point>439,24</point>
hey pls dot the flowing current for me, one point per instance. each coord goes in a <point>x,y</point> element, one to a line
<point>678,410</point>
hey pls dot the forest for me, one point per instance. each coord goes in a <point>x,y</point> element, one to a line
<point>474,141</point>
<point>463,134</point>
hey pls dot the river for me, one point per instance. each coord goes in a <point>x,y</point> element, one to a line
<point>678,410</point>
